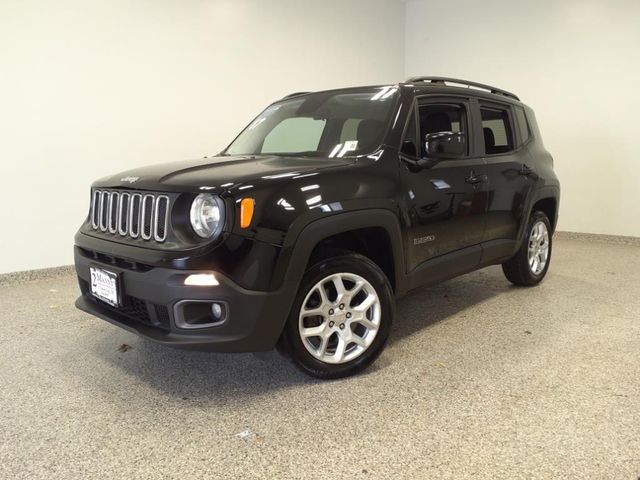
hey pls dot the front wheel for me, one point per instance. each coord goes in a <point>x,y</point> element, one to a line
<point>529,266</point>
<point>341,317</point>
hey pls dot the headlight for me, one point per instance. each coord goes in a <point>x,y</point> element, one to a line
<point>207,215</point>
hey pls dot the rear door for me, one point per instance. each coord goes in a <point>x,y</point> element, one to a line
<point>507,165</point>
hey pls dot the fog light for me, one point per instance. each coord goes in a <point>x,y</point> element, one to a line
<point>217,311</point>
<point>194,314</point>
<point>202,280</point>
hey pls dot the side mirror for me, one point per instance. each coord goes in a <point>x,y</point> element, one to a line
<point>445,144</point>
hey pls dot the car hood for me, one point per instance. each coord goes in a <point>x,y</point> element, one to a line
<point>219,173</point>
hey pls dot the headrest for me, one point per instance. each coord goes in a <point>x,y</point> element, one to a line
<point>489,138</point>
<point>369,132</point>
<point>436,122</point>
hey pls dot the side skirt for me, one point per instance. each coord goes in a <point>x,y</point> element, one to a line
<point>466,260</point>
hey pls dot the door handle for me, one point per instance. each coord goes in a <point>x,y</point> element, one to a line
<point>526,170</point>
<point>475,179</point>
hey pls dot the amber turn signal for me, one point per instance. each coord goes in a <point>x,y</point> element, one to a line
<point>247,206</point>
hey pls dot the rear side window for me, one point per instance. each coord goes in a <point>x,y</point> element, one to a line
<point>523,125</point>
<point>498,137</point>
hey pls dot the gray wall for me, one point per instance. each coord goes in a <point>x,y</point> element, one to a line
<point>576,64</point>
<point>89,88</point>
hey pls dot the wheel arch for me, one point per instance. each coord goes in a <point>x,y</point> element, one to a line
<point>547,199</point>
<point>355,231</point>
<point>549,206</point>
<point>371,242</point>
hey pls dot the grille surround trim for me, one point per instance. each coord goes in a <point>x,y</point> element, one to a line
<point>111,221</point>
<point>133,215</point>
<point>102,220</point>
<point>132,205</point>
<point>142,223</point>
<point>121,207</point>
<point>156,236</point>
<point>95,209</point>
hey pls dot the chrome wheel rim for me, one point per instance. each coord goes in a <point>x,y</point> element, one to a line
<point>538,248</point>
<point>339,318</point>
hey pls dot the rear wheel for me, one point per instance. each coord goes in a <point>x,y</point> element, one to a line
<point>341,317</point>
<point>529,266</point>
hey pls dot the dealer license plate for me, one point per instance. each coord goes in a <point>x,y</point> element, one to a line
<point>104,285</point>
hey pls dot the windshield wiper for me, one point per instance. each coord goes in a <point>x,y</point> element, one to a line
<point>308,153</point>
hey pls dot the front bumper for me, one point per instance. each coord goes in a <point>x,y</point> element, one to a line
<point>254,319</point>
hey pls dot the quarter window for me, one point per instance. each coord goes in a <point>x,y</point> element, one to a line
<point>496,129</point>
<point>523,126</point>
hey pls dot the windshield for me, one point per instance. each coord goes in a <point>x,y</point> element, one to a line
<point>326,124</point>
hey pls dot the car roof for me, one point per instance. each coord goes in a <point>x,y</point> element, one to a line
<point>447,81</point>
<point>448,86</point>
<point>444,85</point>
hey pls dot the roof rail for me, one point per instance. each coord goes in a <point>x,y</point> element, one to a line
<point>295,94</point>
<point>444,80</point>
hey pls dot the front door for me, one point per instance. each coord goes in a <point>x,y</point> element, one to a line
<point>444,205</point>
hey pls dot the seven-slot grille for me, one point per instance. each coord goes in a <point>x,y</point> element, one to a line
<point>130,214</point>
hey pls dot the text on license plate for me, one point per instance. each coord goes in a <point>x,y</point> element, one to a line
<point>104,285</point>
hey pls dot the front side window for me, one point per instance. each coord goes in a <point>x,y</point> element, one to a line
<point>496,129</point>
<point>341,123</point>
<point>438,118</point>
<point>410,141</point>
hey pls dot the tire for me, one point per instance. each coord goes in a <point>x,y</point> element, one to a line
<point>523,270</point>
<point>321,339</point>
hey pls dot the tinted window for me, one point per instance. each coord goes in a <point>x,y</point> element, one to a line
<point>298,134</point>
<point>340,123</point>
<point>410,142</point>
<point>440,118</point>
<point>523,126</point>
<point>496,128</point>
<point>350,129</point>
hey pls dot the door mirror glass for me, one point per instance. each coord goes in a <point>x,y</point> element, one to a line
<point>445,144</point>
<point>443,128</point>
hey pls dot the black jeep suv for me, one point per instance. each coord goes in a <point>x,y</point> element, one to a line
<point>326,207</point>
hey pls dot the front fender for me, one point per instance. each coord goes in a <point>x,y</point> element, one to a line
<point>284,206</point>
<point>298,245</point>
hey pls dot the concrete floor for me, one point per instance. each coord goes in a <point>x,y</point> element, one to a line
<point>480,380</point>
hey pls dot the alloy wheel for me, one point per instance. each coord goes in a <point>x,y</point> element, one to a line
<point>339,318</point>
<point>538,248</point>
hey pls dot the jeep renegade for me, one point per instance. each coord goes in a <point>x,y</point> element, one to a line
<point>324,209</point>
